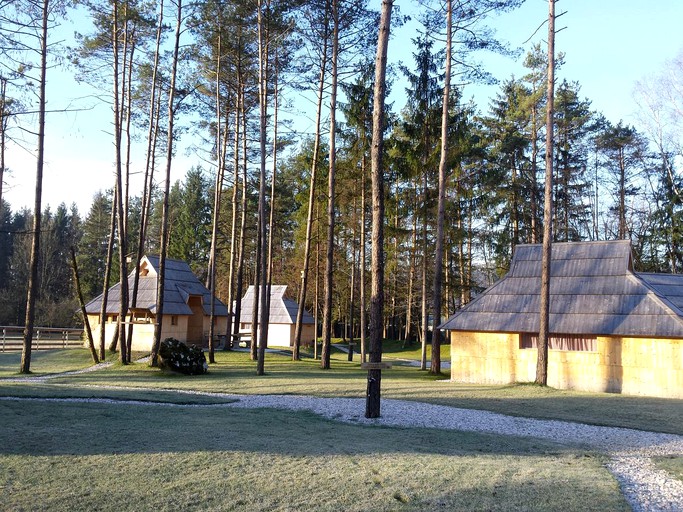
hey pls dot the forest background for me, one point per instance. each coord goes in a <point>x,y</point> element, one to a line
<point>613,180</point>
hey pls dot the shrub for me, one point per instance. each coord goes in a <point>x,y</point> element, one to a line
<point>176,356</point>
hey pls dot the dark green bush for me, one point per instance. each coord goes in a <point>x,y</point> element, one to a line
<point>176,356</point>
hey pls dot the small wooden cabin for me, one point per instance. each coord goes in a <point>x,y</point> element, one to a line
<point>612,329</point>
<point>282,320</point>
<point>187,306</point>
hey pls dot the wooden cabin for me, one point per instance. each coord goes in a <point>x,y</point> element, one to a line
<point>611,329</point>
<point>187,307</point>
<point>282,320</point>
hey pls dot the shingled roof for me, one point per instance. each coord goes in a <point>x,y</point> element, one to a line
<point>179,284</point>
<point>282,310</point>
<point>593,290</point>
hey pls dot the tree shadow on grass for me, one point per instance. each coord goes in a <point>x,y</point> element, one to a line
<point>75,428</point>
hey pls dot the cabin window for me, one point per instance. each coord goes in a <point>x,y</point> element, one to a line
<point>174,319</point>
<point>566,342</point>
<point>113,319</point>
<point>245,326</point>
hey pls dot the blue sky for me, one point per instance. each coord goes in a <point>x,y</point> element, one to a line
<point>609,45</point>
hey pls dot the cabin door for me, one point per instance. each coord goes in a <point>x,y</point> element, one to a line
<point>195,324</point>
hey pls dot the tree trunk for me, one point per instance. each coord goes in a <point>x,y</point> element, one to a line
<point>394,278</point>
<point>107,279</point>
<point>435,367</point>
<point>164,221</point>
<point>120,212</point>
<point>622,196</point>
<point>542,359</point>
<point>233,228</point>
<point>533,171</point>
<point>352,285</point>
<point>309,219</point>
<point>271,220</point>
<point>221,143</point>
<point>128,100</point>
<point>411,276</point>
<point>86,322</point>
<point>149,170</point>
<point>4,116</point>
<point>372,404</point>
<point>316,302</point>
<point>33,284</point>
<point>329,262</point>
<point>243,221</point>
<point>424,323</point>
<point>234,294</point>
<point>263,242</point>
<point>363,317</point>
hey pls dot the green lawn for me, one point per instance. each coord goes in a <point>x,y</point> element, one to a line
<point>83,456</point>
<point>191,451</point>
<point>234,372</point>
<point>44,362</point>
<point>673,465</point>
<point>393,349</point>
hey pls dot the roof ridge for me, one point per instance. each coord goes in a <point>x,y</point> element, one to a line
<point>676,312</point>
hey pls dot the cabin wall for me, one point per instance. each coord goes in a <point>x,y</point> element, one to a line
<point>634,366</point>
<point>143,334</point>
<point>220,325</point>
<point>307,334</point>
<point>282,335</point>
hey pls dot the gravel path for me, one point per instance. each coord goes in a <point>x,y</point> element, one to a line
<point>630,452</point>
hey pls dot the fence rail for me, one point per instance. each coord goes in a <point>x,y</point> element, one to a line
<point>44,338</point>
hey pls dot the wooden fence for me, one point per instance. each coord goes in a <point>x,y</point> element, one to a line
<point>44,338</point>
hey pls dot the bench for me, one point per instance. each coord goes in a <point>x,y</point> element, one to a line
<point>241,339</point>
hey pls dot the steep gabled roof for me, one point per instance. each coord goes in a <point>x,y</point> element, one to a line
<point>593,290</point>
<point>282,310</point>
<point>179,284</point>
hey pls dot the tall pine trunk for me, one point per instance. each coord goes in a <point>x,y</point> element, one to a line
<point>33,284</point>
<point>120,212</point>
<point>309,218</point>
<point>243,221</point>
<point>261,282</point>
<point>544,327</point>
<point>411,274</point>
<point>424,322</point>
<point>271,220</point>
<point>435,367</point>
<point>165,214</point>
<point>372,404</point>
<point>352,284</point>
<point>152,133</point>
<point>363,258</point>
<point>233,226</point>
<point>4,119</point>
<point>107,278</point>
<point>329,261</point>
<point>233,294</point>
<point>221,144</point>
